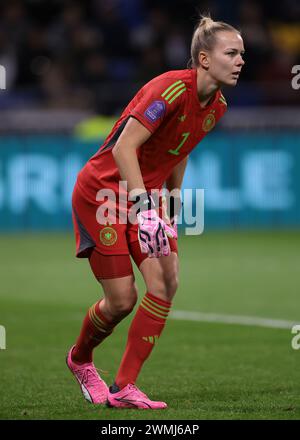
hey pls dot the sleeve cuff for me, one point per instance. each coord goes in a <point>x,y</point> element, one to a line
<point>142,120</point>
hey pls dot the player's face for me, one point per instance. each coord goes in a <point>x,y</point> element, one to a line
<point>226,58</point>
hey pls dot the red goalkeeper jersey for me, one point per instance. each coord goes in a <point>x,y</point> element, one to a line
<point>168,106</point>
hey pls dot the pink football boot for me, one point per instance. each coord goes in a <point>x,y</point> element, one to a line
<point>93,388</point>
<point>132,397</point>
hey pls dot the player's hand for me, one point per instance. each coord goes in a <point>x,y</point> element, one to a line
<point>152,236</point>
<point>171,229</point>
<point>152,230</point>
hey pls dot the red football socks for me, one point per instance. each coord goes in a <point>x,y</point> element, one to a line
<point>95,329</point>
<point>144,331</point>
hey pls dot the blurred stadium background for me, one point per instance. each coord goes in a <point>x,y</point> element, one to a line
<point>71,67</point>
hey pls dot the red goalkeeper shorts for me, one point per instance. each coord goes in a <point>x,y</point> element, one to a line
<point>108,247</point>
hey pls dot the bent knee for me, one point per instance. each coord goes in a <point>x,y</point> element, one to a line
<point>123,307</point>
<point>122,303</point>
<point>172,284</point>
<point>164,287</point>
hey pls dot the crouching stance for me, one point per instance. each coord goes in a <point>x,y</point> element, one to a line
<point>148,149</point>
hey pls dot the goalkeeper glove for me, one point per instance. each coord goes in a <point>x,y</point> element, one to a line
<point>152,230</point>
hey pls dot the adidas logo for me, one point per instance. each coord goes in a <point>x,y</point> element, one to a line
<point>151,339</point>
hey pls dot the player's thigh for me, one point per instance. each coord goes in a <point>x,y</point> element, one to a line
<point>115,274</point>
<point>161,275</point>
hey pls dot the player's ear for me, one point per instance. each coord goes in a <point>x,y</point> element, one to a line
<point>203,59</point>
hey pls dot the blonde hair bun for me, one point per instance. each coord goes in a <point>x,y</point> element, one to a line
<point>204,37</point>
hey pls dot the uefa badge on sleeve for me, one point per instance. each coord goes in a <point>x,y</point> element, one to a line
<point>155,111</point>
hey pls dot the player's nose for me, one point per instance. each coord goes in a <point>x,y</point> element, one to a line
<point>240,61</point>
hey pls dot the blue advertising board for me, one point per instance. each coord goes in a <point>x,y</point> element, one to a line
<point>249,180</point>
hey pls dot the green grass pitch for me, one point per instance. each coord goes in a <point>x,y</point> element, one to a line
<point>203,370</point>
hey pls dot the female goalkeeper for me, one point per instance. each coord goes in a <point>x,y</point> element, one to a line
<point>147,148</point>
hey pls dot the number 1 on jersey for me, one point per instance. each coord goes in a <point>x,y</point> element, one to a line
<point>176,152</point>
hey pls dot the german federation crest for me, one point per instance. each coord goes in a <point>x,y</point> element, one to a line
<point>108,236</point>
<point>209,122</point>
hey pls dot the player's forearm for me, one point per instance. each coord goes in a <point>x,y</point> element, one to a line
<point>128,165</point>
<point>174,181</point>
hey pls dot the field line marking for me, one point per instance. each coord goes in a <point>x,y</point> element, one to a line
<point>231,319</point>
